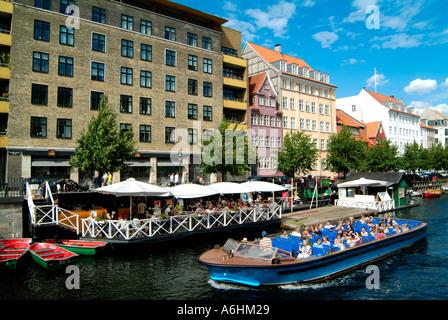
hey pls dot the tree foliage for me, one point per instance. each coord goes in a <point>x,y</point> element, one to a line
<point>104,146</point>
<point>381,157</point>
<point>345,153</point>
<point>227,151</point>
<point>299,154</point>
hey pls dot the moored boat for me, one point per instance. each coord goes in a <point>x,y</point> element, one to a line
<point>255,265</point>
<point>6,242</point>
<point>51,257</point>
<point>81,247</point>
<point>428,194</point>
<point>12,254</point>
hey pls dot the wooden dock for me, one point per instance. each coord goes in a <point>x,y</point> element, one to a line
<point>321,215</point>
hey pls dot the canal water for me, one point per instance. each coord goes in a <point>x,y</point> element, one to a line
<point>171,271</point>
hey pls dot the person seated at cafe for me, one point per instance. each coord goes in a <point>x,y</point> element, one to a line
<point>169,210</point>
<point>210,209</point>
<point>141,209</point>
<point>200,209</point>
<point>178,208</point>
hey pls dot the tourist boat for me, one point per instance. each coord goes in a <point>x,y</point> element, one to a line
<point>254,265</point>
<point>6,242</point>
<point>12,254</point>
<point>416,194</point>
<point>436,191</point>
<point>428,194</point>
<point>51,257</point>
<point>81,247</point>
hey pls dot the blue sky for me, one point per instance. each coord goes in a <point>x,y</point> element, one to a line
<point>408,44</point>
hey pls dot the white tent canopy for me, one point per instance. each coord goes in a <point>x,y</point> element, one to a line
<point>262,186</point>
<point>190,191</point>
<point>362,182</point>
<point>229,188</point>
<point>131,187</point>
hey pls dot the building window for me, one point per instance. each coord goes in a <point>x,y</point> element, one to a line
<point>65,4</point>
<point>207,65</point>
<point>208,89</point>
<point>192,62</point>
<point>41,30</point>
<point>127,22</point>
<point>321,108</point>
<point>65,97</point>
<point>39,94</point>
<point>206,135</point>
<point>207,113</point>
<point>254,119</point>
<point>97,72</point>
<point>43,4</point>
<point>125,104</point>
<point>170,83</point>
<point>192,111</point>
<point>278,122</point>
<point>145,27</point>
<point>193,87</point>
<point>95,99</point>
<point>127,48</point>
<point>64,129</point>
<point>145,79</point>
<point>38,127</point>
<point>192,39</point>
<point>313,107</point>
<point>65,66</point>
<point>307,106</point>
<point>292,103</point>
<point>353,107</point>
<point>126,76</point>
<point>206,43</point>
<point>40,62</point>
<point>145,106</point>
<point>285,103</point>
<point>314,125</point>
<point>146,52</point>
<point>192,136</point>
<point>67,36</point>
<point>98,42</point>
<point>170,58</point>
<point>125,127</point>
<point>170,109</point>
<point>145,133</point>
<point>170,33</point>
<point>98,15</point>
<point>327,110</point>
<point>170,135</point>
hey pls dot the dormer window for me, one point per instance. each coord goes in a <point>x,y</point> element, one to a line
<point>294,69</point>
<point>283,65</point>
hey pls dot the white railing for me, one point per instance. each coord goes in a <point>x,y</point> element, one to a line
<point>147,228</point>
<point>379,206</point>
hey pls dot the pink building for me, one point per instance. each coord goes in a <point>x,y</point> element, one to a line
<point>265,124</point>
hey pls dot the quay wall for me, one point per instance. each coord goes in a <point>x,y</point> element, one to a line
<point>11,217</point>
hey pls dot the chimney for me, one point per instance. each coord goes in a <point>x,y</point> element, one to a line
<point>393,97</point>
<point>278,48</point>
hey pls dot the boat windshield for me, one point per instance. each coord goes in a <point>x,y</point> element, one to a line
<point>251,251</point>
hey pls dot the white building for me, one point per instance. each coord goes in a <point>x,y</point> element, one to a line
<point>439,122</point>
<point>400,124</point>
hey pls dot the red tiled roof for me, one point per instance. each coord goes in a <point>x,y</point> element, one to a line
<point>255,82</point>
<point>382,98</point>
<point>271,56</point>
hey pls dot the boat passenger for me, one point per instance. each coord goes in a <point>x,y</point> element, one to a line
<point>338,241</point>
<point>405,228</point>
<point>318,243</point>
<point>353,241</point>
<point>397,229</point>
<point>328,225</point>
<point>305,250</point>
<point>364,232</point>
<point>265,241</point>
<point>380,234</point>
<point>284,235</point>
<point>297,232</point>
<point>325,241</point>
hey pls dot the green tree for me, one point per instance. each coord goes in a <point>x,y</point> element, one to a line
<point>299,154</point>
<point>382,157</point>
<point>104,146</point>
<point>227,151</point>
<point>412,158</point>
<point>345,153</point>
<point>438,156</point>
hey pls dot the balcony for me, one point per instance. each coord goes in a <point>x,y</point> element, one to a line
<point>235,104</point>
<point>4,106</point>
<point>235,62</point>
<point>3,140</point>
<point>239,126</point>
<point>5,72</point>
<point>234,82</point>
<point>5,37</point>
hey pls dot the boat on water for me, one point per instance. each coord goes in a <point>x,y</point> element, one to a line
<point>6,242</point>
<point>428,194</point>
<point>11,255</point>
<point>81,247</point>
<point>254,265</point>
<point>50,256</point>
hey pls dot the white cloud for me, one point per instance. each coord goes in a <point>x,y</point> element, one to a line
<point>351,61</point>
<point>308,3</point>
<point>326,38</point>
<point>380,80</point>
<point>445,84</point>
<point>276,17</point>
<point>360,13</point>
<point>248,30</point>
<point>400,40</point>
<point>419,86</point>
<point>230,6</point>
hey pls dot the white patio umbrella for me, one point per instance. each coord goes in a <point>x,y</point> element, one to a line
<point>263,186</point>
<point>190,191</point>
<point>134,188</point>
<point>229,188</point>
<point>361,183</point>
